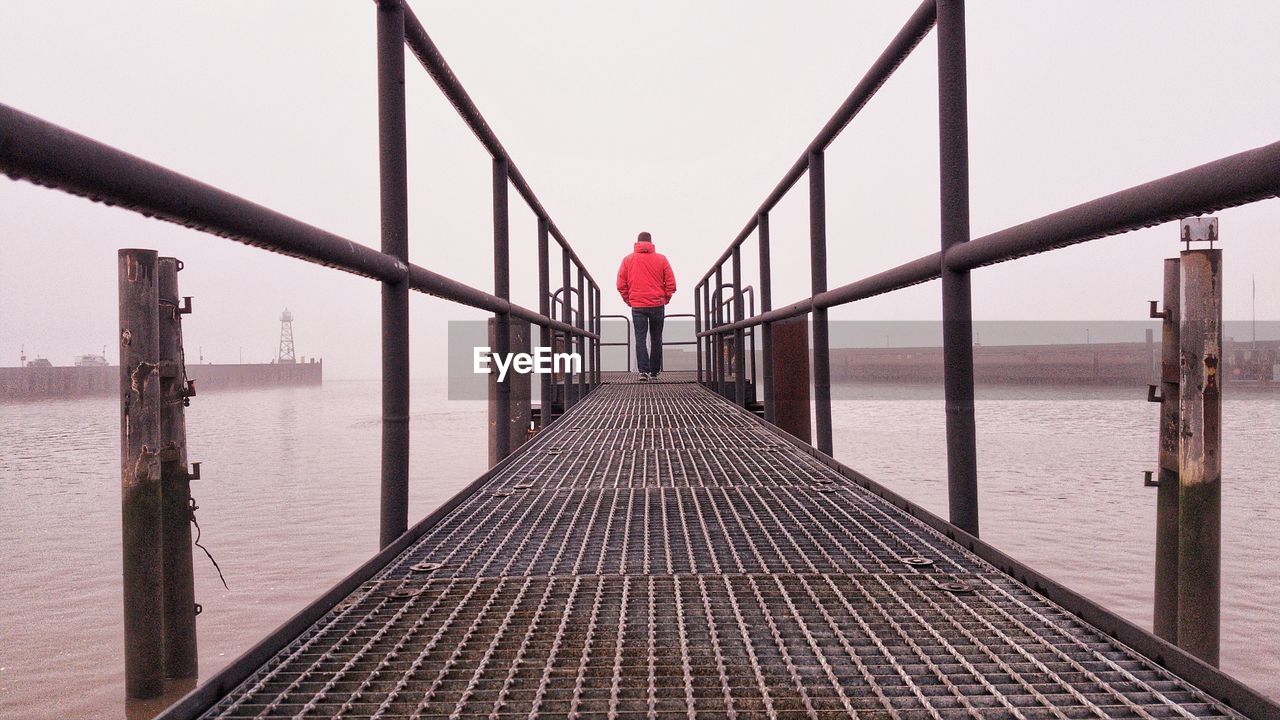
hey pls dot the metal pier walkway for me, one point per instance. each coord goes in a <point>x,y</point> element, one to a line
<point>658,552</point>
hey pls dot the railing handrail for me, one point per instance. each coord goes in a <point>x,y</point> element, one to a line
<point>1234,180</point>
<point>46,154</point>
<point>433,62</point>
<point>898,49</point>
<point>1237,179</point>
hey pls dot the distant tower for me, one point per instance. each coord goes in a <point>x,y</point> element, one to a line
<point>22,357</point>
<point>286,338</point>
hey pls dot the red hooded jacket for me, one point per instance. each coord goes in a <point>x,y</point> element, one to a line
<point>645,279</point>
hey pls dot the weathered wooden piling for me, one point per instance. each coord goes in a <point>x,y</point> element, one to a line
<point>140,484</point>
<point>1199,445</point>
<point>180,656</point>
<point>1165,623</point>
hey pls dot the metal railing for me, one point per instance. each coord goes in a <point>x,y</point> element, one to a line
<point>1234,180</point>
<point>724,306</point>
<point>626,343</point>
<point>40,152</point>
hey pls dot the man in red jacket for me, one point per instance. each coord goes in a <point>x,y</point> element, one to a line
<point>646,284</point>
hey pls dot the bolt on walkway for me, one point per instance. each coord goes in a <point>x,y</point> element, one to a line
<point>661,553</point>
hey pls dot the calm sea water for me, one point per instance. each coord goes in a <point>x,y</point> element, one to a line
<point>288,506</point>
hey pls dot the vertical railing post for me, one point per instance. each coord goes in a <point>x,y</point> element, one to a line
<point>1199,450</point>
<point>818,274</point>
<point>722,371</point>
<point>518,388</point>
<point>739,337</point>
<point>598,329</point>
<point>709,313</point>
<point>544,308</point>
<point>766,329</point>
<point>581,325</point>
<point>566,312</point>
<point>1165,607</point>
<point>697,326</point>
<point>180,656</point>
<point>589,358</point>
<point>957,311</point>
<point>394,201</point>
<point>712,341</point>
<point>704,355</point>
<point>140,491</point>
<point>500,415</point>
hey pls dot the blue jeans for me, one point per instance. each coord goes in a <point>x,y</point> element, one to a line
<point>648,325</point>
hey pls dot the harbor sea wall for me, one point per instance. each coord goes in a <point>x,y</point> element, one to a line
<point>1084,364</point>
<point>35,383</point>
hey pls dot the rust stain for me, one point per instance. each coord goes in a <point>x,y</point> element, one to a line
<point>1211,371</point>
<point>131,268</point>
<point>138,378</point>
<point>144,466</point>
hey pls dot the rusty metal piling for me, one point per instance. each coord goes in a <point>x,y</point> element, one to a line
<point>140,490</point>
<point>180,656</point>
<point>1165,623</point>
<point>790,348</point>
<point>1199,450</point>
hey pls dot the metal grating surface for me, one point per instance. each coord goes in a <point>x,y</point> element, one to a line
<point>658,553</point>
<point>618,377</point>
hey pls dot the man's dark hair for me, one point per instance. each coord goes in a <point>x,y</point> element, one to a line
<point>644,237</point>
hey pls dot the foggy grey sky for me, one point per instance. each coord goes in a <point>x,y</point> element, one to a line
<point>671,117</point>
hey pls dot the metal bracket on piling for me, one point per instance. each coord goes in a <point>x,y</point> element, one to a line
<point>1147,481</point>
<point>194,472</point>
<point>1154,312</point>
<point>185,307</point>
<point>1153,394</point>
<point>1200,229</point>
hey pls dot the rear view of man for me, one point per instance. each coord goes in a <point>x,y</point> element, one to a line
<point>646,284</point>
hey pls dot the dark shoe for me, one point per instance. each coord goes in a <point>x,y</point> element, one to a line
<point>644,377</point>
